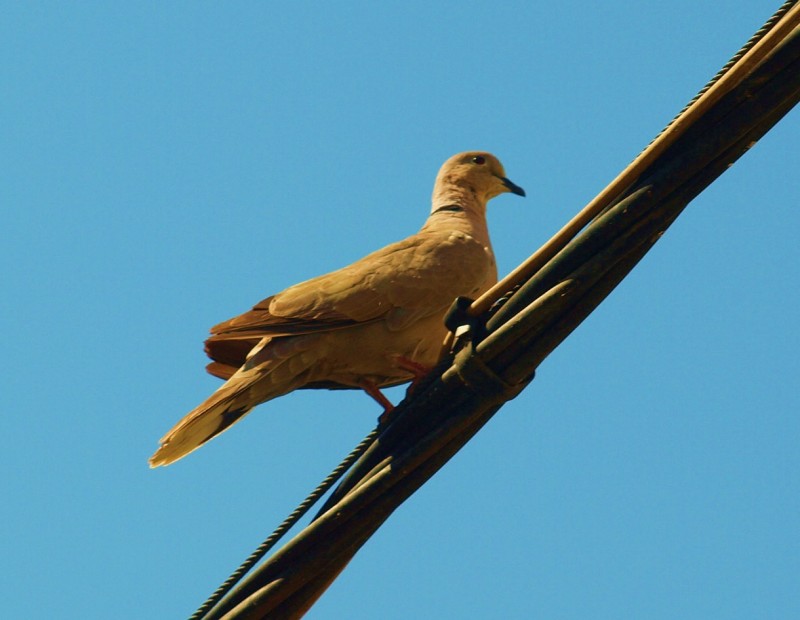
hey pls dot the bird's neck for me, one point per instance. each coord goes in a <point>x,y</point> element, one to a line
<point>455,197</point>
<point>462,208</point>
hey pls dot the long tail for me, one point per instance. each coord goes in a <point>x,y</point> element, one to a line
<point>218,413</point>
<point>263,377</point>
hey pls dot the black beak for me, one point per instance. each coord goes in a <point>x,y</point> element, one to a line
<point>514,189</point>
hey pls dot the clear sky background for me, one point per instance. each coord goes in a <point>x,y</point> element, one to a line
<point>166,165</point>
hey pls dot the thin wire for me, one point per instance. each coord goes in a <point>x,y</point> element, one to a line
<point>757,36</point>
<point>534,262</point>
<point>284,527</point>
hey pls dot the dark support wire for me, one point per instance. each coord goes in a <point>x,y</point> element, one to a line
<point>284,527</point>
<point>777,29</point>
<point>215,605</point>
<point>757,36</point>
<point>435,422</point>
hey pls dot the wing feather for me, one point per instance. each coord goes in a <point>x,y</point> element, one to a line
<point>401,283</point>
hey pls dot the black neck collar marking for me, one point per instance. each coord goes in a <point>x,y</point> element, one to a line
<point>454,208</point>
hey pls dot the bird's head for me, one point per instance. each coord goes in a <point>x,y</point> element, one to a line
<point>477,172</point>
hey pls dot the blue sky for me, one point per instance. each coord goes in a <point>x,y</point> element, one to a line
<point>166,165</point>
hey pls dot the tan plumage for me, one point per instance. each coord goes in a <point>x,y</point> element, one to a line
<point>358,326</point>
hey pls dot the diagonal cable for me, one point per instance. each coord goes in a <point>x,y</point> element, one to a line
<point>284,527</point>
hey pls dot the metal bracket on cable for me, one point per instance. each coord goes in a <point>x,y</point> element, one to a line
<point>479,378</point>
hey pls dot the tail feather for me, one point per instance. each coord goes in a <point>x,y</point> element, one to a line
<point>221,371</point>
<point>223,409</point>
<point>275,366</point>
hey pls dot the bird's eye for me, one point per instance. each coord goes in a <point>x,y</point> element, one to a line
<point>479,159</point>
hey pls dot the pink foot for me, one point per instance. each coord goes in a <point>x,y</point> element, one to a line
<point>370,388</point>
<point>419,371</point>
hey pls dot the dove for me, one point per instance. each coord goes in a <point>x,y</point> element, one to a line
<point>375,323</point>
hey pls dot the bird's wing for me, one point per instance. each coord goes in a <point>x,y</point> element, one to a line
<point>400,283</point>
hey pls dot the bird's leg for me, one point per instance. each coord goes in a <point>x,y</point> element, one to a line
<point>415,368</point>
<point>418,371</point>
<point>370,388</point>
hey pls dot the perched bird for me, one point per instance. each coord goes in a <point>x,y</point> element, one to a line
<point>375,323</point>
